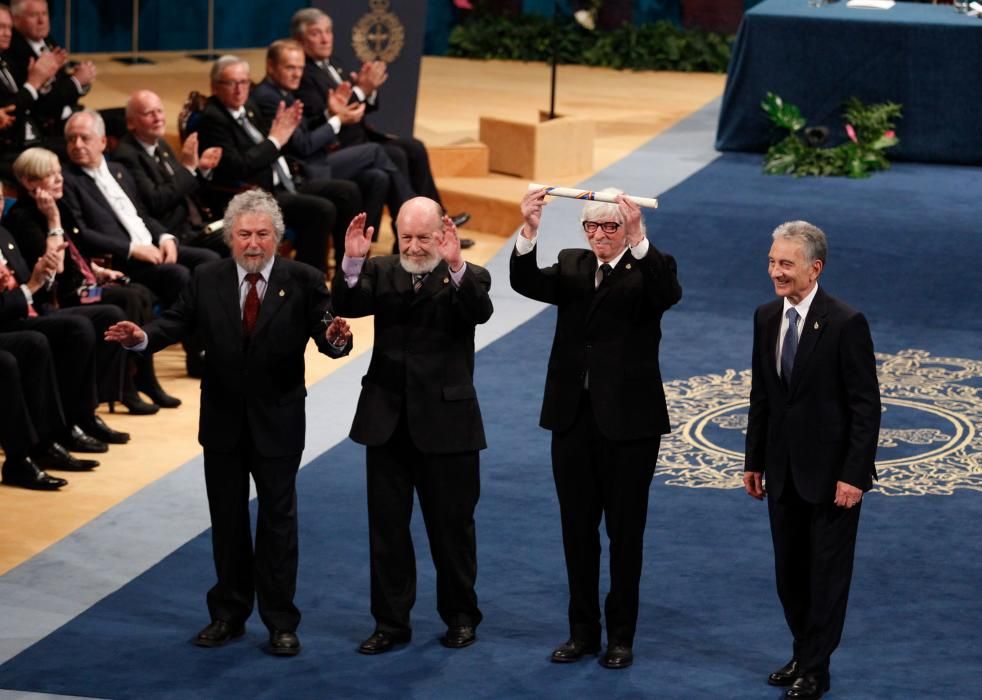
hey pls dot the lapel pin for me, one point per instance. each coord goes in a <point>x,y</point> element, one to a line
<point>446,280</point>
<point>10,245</point>
<point>628,266</point>
<point>282,293</point>
<point>816,325</point>
<point>74,229</point>
<point>119,176</point>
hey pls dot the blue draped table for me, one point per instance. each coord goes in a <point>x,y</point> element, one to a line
<point>928,58</point>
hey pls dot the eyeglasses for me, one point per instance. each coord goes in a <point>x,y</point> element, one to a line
<point>234,83</point>
<point>606,226</point>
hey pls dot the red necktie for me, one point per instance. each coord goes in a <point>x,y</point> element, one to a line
<point>250,310</point>
<point>11,283</point>
<point>81,263</point>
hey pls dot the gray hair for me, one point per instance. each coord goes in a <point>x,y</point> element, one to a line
<point>254,201</point>
<point>303,18</point>
<point>98,125</point>
<point>605,211</point>
<point>17,7</point>
<point>223,62</point>
<point>809,235</point>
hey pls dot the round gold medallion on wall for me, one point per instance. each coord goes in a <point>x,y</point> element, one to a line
<point>379,35</point>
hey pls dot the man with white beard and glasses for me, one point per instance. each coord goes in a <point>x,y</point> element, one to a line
<point>418,415</point>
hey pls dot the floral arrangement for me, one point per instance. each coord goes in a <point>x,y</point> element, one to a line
<point>869,130</point>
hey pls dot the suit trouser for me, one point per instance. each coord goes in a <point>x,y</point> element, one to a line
<point>814,546</point>
<point>27,416</point>
<point>448,486</point>
<point>268,575</point>
<point>595,477</point>
<point>410,157</point>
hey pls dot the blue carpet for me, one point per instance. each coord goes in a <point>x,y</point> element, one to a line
<point>905,248</point>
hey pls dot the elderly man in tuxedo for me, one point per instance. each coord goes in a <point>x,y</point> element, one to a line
<point>252,156</point>
<point>315,144</point>
<point>111,219</point>
<point>811,440</point>
<point>418,415</point>
<point>604,404</point>
<point>322,74</point>
<point>58,96</point>
<point>169,183</point>
<point>254,314</point>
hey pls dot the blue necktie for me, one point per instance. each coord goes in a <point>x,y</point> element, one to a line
<point>789,347</point>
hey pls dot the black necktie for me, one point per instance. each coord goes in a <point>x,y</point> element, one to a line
<point>418,282</point>
<point>605,270</point>
<point>162,162</point>
<point>789,347</point>
<point>6,76</point>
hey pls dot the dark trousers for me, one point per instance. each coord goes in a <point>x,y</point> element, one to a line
<point>595,477</point>
<point>813,557</point>
<point>168,280</point>
<point>448,486</point>
<point>30,409</point>
<point>267,574</point>
<point>378,178</point>
<point>110,358</point>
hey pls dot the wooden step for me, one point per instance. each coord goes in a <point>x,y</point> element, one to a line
<point>469,159</point>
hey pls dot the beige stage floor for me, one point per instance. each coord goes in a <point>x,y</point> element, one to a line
<point>629,109</point>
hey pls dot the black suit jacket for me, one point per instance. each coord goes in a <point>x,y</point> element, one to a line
<point>244,163</point>
<point>824,428</point>
<point>13,303</point>
<point>61,92</point>
<point>12,138</point>
<point>611,333</point>
<point>257,387</point>
<point>99,231</point>
<point>163,195</point>
<point>423,359</point>
<point>313,93</point>
<point>311,140</point>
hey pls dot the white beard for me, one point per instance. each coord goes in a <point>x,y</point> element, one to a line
<point>419,266</point>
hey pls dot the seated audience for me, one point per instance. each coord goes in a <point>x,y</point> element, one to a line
<point>314,143</point>
<point>40,221</point>
<point>169,183</point>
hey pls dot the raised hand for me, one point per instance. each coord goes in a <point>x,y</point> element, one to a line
<point>358,239</point>
<point>84,73</point>
<point>210,158</point>
<point>352,113</point>
<point>449,245</point>
<point>371,76</point>
<point>286,121</point>
<point>631,213</point>
<point>339,97</point>
<point>532,204</point>
<point>189,151</point>
<point>126,333</point>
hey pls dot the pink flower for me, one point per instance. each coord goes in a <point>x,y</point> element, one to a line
<point>889,134</point>
<point>851,133</point>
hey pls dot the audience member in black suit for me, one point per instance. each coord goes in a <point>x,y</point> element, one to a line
<point>30,412</point>
<point>58,97</point>
<point>812,433</point>
<point>111,220</point>
<point>315,31</point>
<point>71,336</point>
<point>255,315</point>
<point>169,183</point>
<point>315,143</point>
<point>418,415</point>
<point>17,102</point>
<point>604,404</point>
<point>315,209</point>
<point>40,221</point>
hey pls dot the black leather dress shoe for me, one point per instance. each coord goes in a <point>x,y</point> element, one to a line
<point>808,686</point>
<point>460,219</point>
<point>785,675</point>
<point>282,643</point>
<point>617,656</point>
<point>219,632</point>
<point>25,473</point>
<point>56,458</point>
<point>98,429</point>
<point>574,650</point>
<point>80,441</point>
<point>381,642</point>
<point>459,637</point>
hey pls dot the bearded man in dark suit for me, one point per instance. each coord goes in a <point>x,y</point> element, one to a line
<point>812,434</point>
<point>604,404</point>
<point>418,415</point>
<point>253,315</point>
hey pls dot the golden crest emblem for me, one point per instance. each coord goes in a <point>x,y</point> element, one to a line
<point>378,35</point>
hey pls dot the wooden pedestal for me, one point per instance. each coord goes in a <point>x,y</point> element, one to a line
<point>534,150</point>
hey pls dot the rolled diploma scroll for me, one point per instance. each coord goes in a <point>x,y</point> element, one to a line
<point>573,193</point>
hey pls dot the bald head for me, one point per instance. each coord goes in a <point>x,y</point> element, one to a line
<point>420,225</point>
<point>145,117</point>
